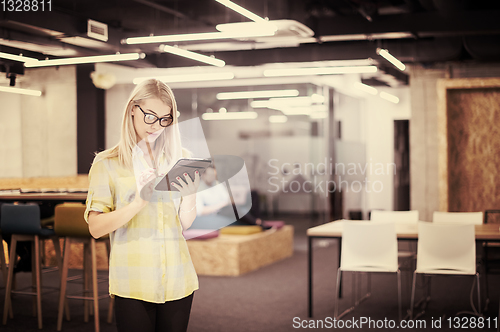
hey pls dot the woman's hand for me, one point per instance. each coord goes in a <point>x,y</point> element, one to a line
<point>145,184</point>
<point>187,186</point>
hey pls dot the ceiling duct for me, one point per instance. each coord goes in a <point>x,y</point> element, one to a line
<point>97,30</point>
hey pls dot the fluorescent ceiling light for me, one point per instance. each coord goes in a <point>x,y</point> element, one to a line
<point>319,71</point>
<point>288,102</point>
<point>27,92</point>
<point>87,59</point>
<point>318,115</point>
<point>245,12</point>
<point>296,110</point>
<point>257,94</point>
<point>389,97</point>
<point>189,77</point>
<point>229,116</point>
<point>245,26</point>
<point>383,35</point>
<point>366,88</point>
<point>278,118</point>
<point>200,36</point>
<point>192,55</point>
<point>391,58</point>
<point>16,57</point>
<point>296,101</point>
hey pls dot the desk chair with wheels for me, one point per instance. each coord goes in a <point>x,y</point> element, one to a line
<point>445,249</point>
<point>23,222</point>
<point>69,222</point>
<point>368,247</point>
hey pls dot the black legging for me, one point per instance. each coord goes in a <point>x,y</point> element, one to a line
<point>136,315</point>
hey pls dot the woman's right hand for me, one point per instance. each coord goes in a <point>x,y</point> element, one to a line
<point>145,185</point>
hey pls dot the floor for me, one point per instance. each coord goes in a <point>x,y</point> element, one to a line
<point>274,298</point>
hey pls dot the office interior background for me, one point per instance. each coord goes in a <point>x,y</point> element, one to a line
<point>348,103</point>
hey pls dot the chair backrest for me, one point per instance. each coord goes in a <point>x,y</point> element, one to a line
<point>395,216</point>
<point>474,218</point>
<point>69,221</point>
<point>446,248</point>
<point>20,219</point>
<point>492,216</point>
<point>368,246</point>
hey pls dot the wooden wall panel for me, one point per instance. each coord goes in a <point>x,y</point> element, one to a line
<point>473,148</point>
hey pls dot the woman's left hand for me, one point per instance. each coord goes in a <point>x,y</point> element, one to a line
<point>187,186</point>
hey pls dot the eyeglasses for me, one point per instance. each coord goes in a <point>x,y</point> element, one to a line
<point>151,118</point>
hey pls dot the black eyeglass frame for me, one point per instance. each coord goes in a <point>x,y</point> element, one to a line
<point>168,117</point>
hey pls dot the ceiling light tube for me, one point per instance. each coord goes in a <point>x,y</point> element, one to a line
<point>257,94</point>
<point>230,116</point>
<point>319,115</point>
<point>366,88</point>
<point>391,58</point>
<point>27,92</point>
<point>245,26</point>
<point>320,71</point>
<point>16,57</point>
<point>189,77</point>
<point>245,12</point>
<point>192,55</point>
<point>278,118</point>
<point>200,36</point>
<point>86,59</point>
<point>296,110</point>
<point>389,97</point>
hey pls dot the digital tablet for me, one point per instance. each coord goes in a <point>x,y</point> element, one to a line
<point>183,165</point>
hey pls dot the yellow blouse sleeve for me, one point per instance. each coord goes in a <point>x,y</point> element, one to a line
<point>101,189</point>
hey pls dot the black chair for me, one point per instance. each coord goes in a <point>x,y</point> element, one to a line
<point>23,222</point>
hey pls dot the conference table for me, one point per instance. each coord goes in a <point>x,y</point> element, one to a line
<point>404,231</point>
<point>57,197</point>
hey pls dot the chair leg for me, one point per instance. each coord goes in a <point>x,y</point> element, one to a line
<point>412,301</point>
<point>3,262</point>
<point>57,249</point>
<point>336,304</point>
<point>8,287</point>
<point>110,309</point>
<point>478,294</point>
<point>111,299</point>
<point>38,282</point>
<point>85,283</point>
<point>33,279</point>
<point>94,283</point>
<point>64,281</point>
<point>486,287</point>
<point>399,295</point>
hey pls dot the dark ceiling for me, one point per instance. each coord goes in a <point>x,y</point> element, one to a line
<point>435,30</point>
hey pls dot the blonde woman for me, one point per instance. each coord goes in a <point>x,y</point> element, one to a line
<point>151,275</point>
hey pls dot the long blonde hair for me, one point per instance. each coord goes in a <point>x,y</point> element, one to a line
<point>169,140</point>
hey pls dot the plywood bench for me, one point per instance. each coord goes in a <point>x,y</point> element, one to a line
<point>233,255</point>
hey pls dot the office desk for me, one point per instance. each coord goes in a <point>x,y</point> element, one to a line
<point>404,231</point>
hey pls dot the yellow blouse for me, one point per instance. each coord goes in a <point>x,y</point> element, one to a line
<point>149,257</point>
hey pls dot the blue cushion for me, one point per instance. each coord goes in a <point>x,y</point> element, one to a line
<point>22,219</point>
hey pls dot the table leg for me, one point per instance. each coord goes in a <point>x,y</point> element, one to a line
<point>309,275</point>
<point>340,254</point>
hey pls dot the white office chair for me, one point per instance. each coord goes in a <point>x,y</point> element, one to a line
<point>406,217</point>
<point>473,218</point>
<point>368,247</point>
<point>445,248</point>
